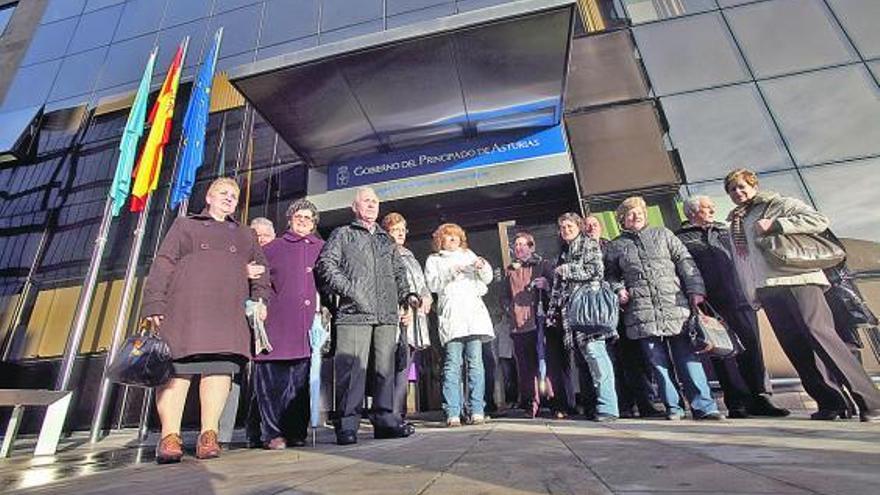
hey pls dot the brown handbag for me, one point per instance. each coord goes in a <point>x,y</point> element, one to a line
<point>800,253</point>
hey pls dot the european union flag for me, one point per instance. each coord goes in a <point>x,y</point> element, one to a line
<point>195,122</point>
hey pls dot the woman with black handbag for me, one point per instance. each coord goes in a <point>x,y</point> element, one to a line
<point>658,284</point>
<point>579,302</point>
<point>791,292</point>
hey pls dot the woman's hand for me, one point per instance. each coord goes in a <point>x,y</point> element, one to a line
<point>541,283</point>
<point>155,320</point>
<point>425,307</point>
<point>763,226</point>
<point>480,263</point>
<point>623,296</point>
<point>405,317</point>
<point>255,271</point>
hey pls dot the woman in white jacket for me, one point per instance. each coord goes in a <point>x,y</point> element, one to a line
<point>460,278</point>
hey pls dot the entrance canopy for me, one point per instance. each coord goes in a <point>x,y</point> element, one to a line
<point>498,68</point>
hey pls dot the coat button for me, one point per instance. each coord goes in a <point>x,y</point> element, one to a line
<point>308,269</point>
<point>203,245</point>
<point>233,249</point>
<point>307,302</point>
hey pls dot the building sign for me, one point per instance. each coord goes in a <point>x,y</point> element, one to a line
<point>448,156</point>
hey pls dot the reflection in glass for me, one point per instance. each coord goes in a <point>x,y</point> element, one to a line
<point>61,9</point>
<point>240,29</point>
<point>689,53</point>
<point>100,4</point>
<point>859,18</point>
<point>395,7</point>
<point>31,85</point>
<point>787,36</point>
<point>49,41</point>
<point>720,129</point>
<point>651,10</point>
<point>848,194</point>
<point>126,61</point>
<point>190,10</point>
<point>827,115</point>
<point>5,14</point>
<point>78,73</point>
<point>95,29</point>
<point>288,19</point>
<point>140,17</point>
<point>341,13</point>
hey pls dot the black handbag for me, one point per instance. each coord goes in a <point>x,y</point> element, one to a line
<point>593,310</point>
<point>710,335</point>
<point>143,361</point>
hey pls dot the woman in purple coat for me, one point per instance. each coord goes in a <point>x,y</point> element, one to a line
<point>282,375</point>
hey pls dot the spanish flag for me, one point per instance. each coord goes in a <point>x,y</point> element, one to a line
<point>146,174</point>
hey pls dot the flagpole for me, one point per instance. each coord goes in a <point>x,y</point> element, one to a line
<point>123,311</point>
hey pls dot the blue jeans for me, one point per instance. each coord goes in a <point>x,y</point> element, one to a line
<point>471,348</point>
<point>690,372</point>
<point>602,372</point>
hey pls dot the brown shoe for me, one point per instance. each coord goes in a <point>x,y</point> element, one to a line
<point>207,447</point>
<point>170,449</point>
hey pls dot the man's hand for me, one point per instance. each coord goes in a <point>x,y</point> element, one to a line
<point>255,271</point>
<point>763,226</point>
<point>623,296</point>
<point>155,320</point>
<point>405,317</point>
<point>541,283</point>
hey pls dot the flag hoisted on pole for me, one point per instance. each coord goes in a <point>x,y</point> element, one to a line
<point>146,176</point>
<point>195,122</point>
<point>134,129</point>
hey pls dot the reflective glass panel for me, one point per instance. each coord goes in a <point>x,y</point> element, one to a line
<point>289,47</point>
<point>410,17</point>
<point>848,194</point>
<point>95,29</point>
<point>828,115</point>
<point>5,15</point>
<point>31,85</point>
<point>240,29</point>
<point>395,7</point>
<point>180,12</point>
<point>170,39</point>
<point>224,5</point>
<point>289,19</point>
<point>785,36</point>
<point>140,17</point>
<point>351,31</point>
<point>651,10</point>
<point>62,9</point>
<point>785,183</point>
<point>468,5</point>
<point>126,61</point>
<point>100,4</point>
<point>341,13</point>
<point>603,70</point>
<point>78,73</point>
<point>859,18</point>
<point>49,41</point>
<point>689,53</point>
<point>720,129</point>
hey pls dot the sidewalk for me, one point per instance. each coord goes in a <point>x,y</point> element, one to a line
<point>508,456</point>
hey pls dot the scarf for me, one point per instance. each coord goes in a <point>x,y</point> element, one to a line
<point>737,229</point>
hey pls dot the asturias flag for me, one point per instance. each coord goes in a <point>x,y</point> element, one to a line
<point>134,129</point>
<point>146,175</point>
<point>195,122</point>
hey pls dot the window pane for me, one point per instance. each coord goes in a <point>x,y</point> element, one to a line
<point>288,20</point>
<point>859,18</point>
<point>31,85</point>
<point>690,53</point>
<point>170,39</point>
<point>395,7</point>
<point>95,29</point>
<point>352,31</point>
<point>651,10</point>
<point>224,5</point>
<point>240,29</point>
<point>78,73</point>
<point>414,16</point>
<point>61,9</point>
<point>341,13</point>
<point>289,47</point>
<point>100,4</point>
<point>468,5</point>
<point>785,183</point>
<point>603,70</point>
<point>126,61</point>
<point>180,12</point>
<point>50,41</point>
<point>787,36</point>
<point>847,193</point>
<point>828,115</point>
<point>5,15</point>
<point>140,17</point>
<point>721,129</point>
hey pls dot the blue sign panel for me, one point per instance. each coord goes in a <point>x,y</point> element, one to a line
<point>442,157</point>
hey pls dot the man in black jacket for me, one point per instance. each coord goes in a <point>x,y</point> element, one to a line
<point>360,264</point>
<point>744,381</point>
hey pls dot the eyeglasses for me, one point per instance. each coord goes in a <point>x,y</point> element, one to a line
<point>304,218</point>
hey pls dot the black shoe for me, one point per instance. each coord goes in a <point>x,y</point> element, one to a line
<point>871,416</point>
<point>826,415</point>
<point>604,418</point>
<point>761,406</point>
<point>737,413</point>
<point>299,442</point>
<point>712,416</point>
<point>401,431</point>
<point>346,438</point>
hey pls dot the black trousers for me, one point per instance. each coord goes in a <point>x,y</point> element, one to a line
<point>401,384</point>
<point>509,379</point>
<point>633,375</point>
<point>804,326</point>
<point>355,345</point>
<point>745,376</point>
<point>283,396</point>
<point>489,366</point>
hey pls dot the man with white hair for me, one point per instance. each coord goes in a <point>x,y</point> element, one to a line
<point>744,381</point>
<point>264,229</point>
<point>360,263</point>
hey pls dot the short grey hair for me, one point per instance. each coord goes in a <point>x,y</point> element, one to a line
<point>304,204</point>
<point>361,190</point>
<point>691,205</point>
<point>265,222</point>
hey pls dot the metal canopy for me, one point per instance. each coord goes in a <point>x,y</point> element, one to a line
<point>497,68</point>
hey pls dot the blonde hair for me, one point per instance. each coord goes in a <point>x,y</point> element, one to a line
<point>628,204</point>
<point>448,229</point>
<point>223,181</point>
<point>392,219</point>
<point>744,174</point>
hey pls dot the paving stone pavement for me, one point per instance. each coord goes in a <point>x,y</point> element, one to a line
<point>507,456</point>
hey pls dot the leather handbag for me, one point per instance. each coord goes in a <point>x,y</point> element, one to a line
<point>143,361</point>
<point>593,310</point>
<point>710,335</point>
<point>801,252</point>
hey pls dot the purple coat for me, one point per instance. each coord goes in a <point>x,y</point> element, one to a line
<point>291,260</point>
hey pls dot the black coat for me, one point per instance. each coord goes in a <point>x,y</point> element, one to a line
<point>711,250</point>
<point>365,270</point>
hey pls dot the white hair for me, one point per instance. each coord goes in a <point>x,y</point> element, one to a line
<point>265,222</point>
<point>691,205</point>
<point>361,191</point>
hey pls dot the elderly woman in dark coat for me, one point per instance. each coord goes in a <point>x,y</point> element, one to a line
<point>658,283</point>
<point>282,374</point>
<point>195,295</point>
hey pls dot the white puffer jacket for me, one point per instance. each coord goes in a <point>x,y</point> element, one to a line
<point>460,307</point>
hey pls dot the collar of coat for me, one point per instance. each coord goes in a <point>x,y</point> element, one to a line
<point>533,260</point>
<point>204,215</point>
<point>761,198</point>
<point>377,229</point>
<point>294,237</point>
<point>687,226</point>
